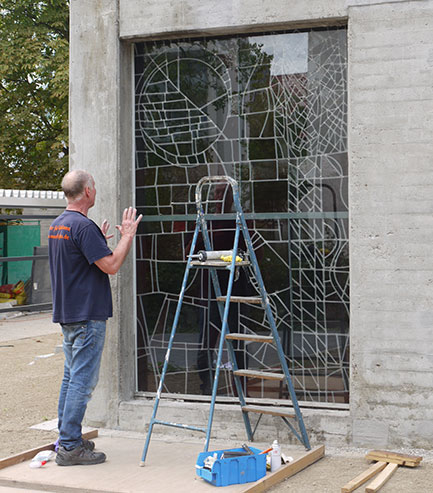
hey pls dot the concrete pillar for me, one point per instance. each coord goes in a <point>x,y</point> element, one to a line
<point>391,197</point>
<point>101,142</point>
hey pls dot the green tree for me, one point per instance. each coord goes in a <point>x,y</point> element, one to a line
<point>34,63</point>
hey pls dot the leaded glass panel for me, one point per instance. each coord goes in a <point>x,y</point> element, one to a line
<point>270,111</point>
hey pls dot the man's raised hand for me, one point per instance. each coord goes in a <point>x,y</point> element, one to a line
<point>129,222</point>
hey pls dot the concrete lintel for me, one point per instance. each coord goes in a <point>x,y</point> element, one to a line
<point>162,18</point>
<point>236,30</point>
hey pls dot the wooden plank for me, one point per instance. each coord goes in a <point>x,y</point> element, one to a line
<point>250,337</point>
<point>29,454</point>
<point>274,411</point>
<point>394,458</point>
<point>363,477</point>
<point>287,471</point>
<point>265,375</point>
<point>387,453</point>
<point>381,478</point>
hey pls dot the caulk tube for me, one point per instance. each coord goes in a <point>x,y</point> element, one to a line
<point>203,255</point>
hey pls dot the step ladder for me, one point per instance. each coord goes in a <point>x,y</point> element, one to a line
<point>211,260</point>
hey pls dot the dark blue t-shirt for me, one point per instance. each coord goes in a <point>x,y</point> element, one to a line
<point>81,291</point>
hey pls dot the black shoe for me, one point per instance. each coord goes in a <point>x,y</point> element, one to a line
<point>88,444</point>
<point>79,456</point>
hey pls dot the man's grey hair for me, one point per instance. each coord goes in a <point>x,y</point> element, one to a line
<point>74,183</point>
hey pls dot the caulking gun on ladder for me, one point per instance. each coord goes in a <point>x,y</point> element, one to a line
<point>203,255</point>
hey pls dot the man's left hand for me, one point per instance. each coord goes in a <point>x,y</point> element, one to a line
<point>104,228</point>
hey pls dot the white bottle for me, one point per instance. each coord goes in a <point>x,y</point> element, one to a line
<point>41,458</point>
<point>275,456</point>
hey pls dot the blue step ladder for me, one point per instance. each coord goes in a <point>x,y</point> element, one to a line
<point>211,260</point>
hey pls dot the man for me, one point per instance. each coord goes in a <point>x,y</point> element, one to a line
<point>80,262</point>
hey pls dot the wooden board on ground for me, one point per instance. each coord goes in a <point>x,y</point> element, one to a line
<point>363,477</point>
<point>394,458</point>
<point>381,478</point>
<point>29,454</point>
<point>287,471</point>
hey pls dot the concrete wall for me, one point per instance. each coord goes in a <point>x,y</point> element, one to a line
<point>324,426</point>
<point>391,189</point>
<point>391,203</point>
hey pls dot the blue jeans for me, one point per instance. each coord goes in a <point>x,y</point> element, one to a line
<point>83,343</point>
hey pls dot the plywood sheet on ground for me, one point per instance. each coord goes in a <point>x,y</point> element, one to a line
<point>170,466</point>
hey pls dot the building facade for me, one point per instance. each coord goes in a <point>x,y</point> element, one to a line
<point>322,113</point>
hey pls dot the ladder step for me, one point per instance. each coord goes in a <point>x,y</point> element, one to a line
<point>250,337</point>
<point>217,263</point>
<point>242,299</point>
<point>274,411</point>
<point>265,375</point>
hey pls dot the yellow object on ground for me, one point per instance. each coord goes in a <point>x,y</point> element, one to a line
<point>15,291</point>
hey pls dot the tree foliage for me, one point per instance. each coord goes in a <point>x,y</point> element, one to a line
<point>33,93</point>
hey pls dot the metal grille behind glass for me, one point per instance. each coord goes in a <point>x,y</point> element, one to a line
<point>271,112</point>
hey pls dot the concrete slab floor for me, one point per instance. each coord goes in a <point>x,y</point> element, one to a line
<point>27,325</point>
<point>7,489</point>
<point>170,466</point>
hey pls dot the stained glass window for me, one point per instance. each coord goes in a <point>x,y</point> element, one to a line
<point>270,111</point>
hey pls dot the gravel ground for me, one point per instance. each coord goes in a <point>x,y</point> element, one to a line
<point>28,391</point>
<point>30,375</point>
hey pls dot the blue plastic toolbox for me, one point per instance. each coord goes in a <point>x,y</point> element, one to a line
<point>233,470</point>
